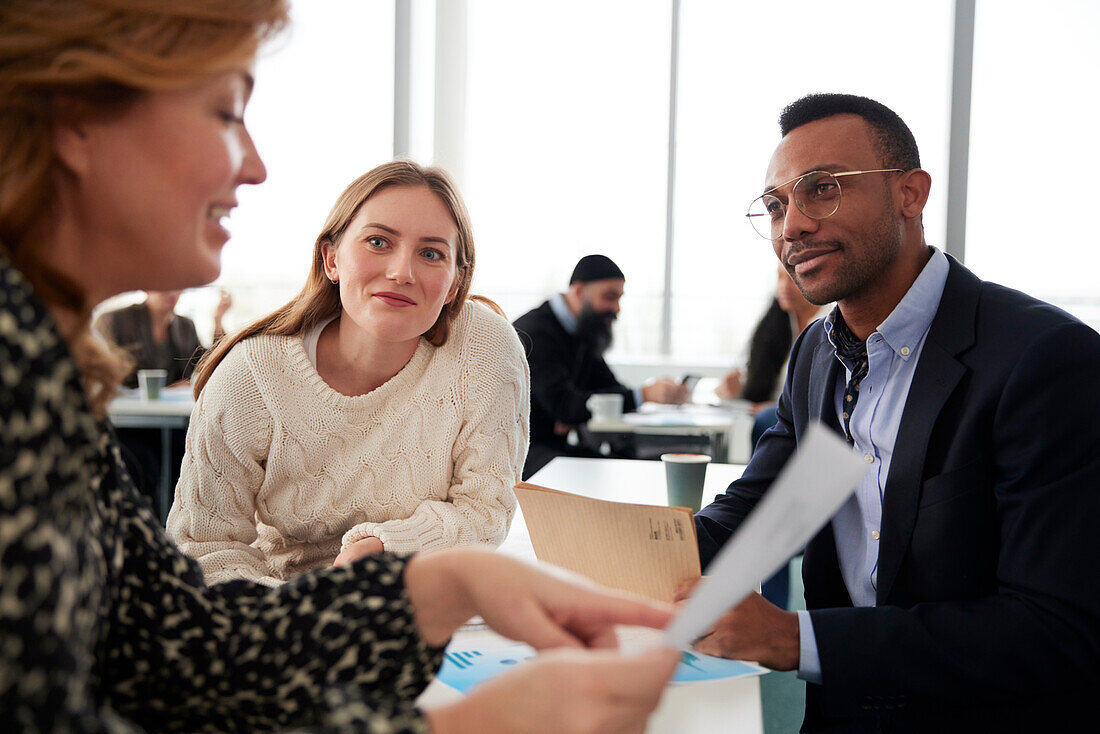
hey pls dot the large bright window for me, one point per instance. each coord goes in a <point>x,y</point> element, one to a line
<point>321,114</point>
<point>1035,106</point>
<point>740,63</point>
<point>567,149</point>
<point>558,114</point>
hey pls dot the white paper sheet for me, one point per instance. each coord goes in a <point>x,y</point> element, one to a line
<point>819,477</point>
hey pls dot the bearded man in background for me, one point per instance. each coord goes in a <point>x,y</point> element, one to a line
<point>565,339</point>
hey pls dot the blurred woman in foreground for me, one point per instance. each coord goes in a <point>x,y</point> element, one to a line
<point>122,144</point>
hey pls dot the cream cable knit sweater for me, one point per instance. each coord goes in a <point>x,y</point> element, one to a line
<point>281,471</point>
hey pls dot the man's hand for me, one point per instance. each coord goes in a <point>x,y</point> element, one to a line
<point>358,549</point>
<point>755,630</point>
<point>665,390</point>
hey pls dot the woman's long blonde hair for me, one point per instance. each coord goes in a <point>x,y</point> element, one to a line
<point>105,54</point>
<point>320,298</point>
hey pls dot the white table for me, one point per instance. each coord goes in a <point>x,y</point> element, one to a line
<point>730,706</point>
<point>171,413</point>
<point>728,426</point>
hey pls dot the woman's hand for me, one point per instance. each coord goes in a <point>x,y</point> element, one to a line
<point>565,692</point>
<point>358,549</point>
<point>757,407</point>
<point>225,302</point>
<point>519,601</point>
<point>730,386</point>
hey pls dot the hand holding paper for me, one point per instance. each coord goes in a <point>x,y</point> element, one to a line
<point>754,629</point>
<point>519,601</point>
<point>564,691</point>
<point>816,481</point>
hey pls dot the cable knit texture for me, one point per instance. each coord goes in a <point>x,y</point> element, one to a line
<point>281,471</point>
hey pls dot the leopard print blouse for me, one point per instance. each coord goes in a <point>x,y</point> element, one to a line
<point>105,626</point>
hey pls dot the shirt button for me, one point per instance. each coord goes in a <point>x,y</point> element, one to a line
<point>905,351</point>
<point>874,534</point>
<point>869,458</point>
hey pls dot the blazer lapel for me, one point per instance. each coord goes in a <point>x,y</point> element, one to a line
<point>822,385</point>
<point>936,377</point>
<point>820,560</point>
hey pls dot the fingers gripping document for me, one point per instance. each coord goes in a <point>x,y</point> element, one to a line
<point>649,550</point>
<point>816,481</point>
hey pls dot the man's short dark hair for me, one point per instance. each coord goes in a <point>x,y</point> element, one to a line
<point>892,137</point>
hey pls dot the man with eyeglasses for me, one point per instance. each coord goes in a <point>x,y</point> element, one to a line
<point>956,589</point>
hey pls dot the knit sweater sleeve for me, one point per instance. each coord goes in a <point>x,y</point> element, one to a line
<point>331,651</point>
<point>213,516</point>
<point>488,453</point>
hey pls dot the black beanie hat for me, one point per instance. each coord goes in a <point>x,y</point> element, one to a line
<point>595,267</point>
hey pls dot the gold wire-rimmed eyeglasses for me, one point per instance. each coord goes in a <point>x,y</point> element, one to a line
<point>816,194</point>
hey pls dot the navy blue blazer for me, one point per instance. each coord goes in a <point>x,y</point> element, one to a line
<point>988,600</point>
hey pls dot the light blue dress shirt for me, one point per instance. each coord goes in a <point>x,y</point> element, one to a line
<point>569,323</point>
<point>893,352</point>
<point>565,316</point>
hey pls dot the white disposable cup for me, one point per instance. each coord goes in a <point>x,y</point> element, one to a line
<point>151,383</point>
<point>684,477</point>
<point>605,407</point>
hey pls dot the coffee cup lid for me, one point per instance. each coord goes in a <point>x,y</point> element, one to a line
<point>686,458</point>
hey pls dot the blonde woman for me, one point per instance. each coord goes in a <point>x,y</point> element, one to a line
<point>122,146</point>
<point>381,409</point>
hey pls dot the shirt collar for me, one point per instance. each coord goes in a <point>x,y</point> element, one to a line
<point>910,319</point>
<point>565,316</point>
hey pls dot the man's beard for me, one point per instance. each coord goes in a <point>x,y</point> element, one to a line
<point>594,328</point>
<point>860,269</point>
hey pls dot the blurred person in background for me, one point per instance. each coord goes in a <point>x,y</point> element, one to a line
<point>156,337</point>
<point>769,348</point>
<point>566,338</point>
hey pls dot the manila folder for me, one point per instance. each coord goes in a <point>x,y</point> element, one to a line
<point>645,549</point>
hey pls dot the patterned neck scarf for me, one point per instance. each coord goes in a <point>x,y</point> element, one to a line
<point>854,351</point>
